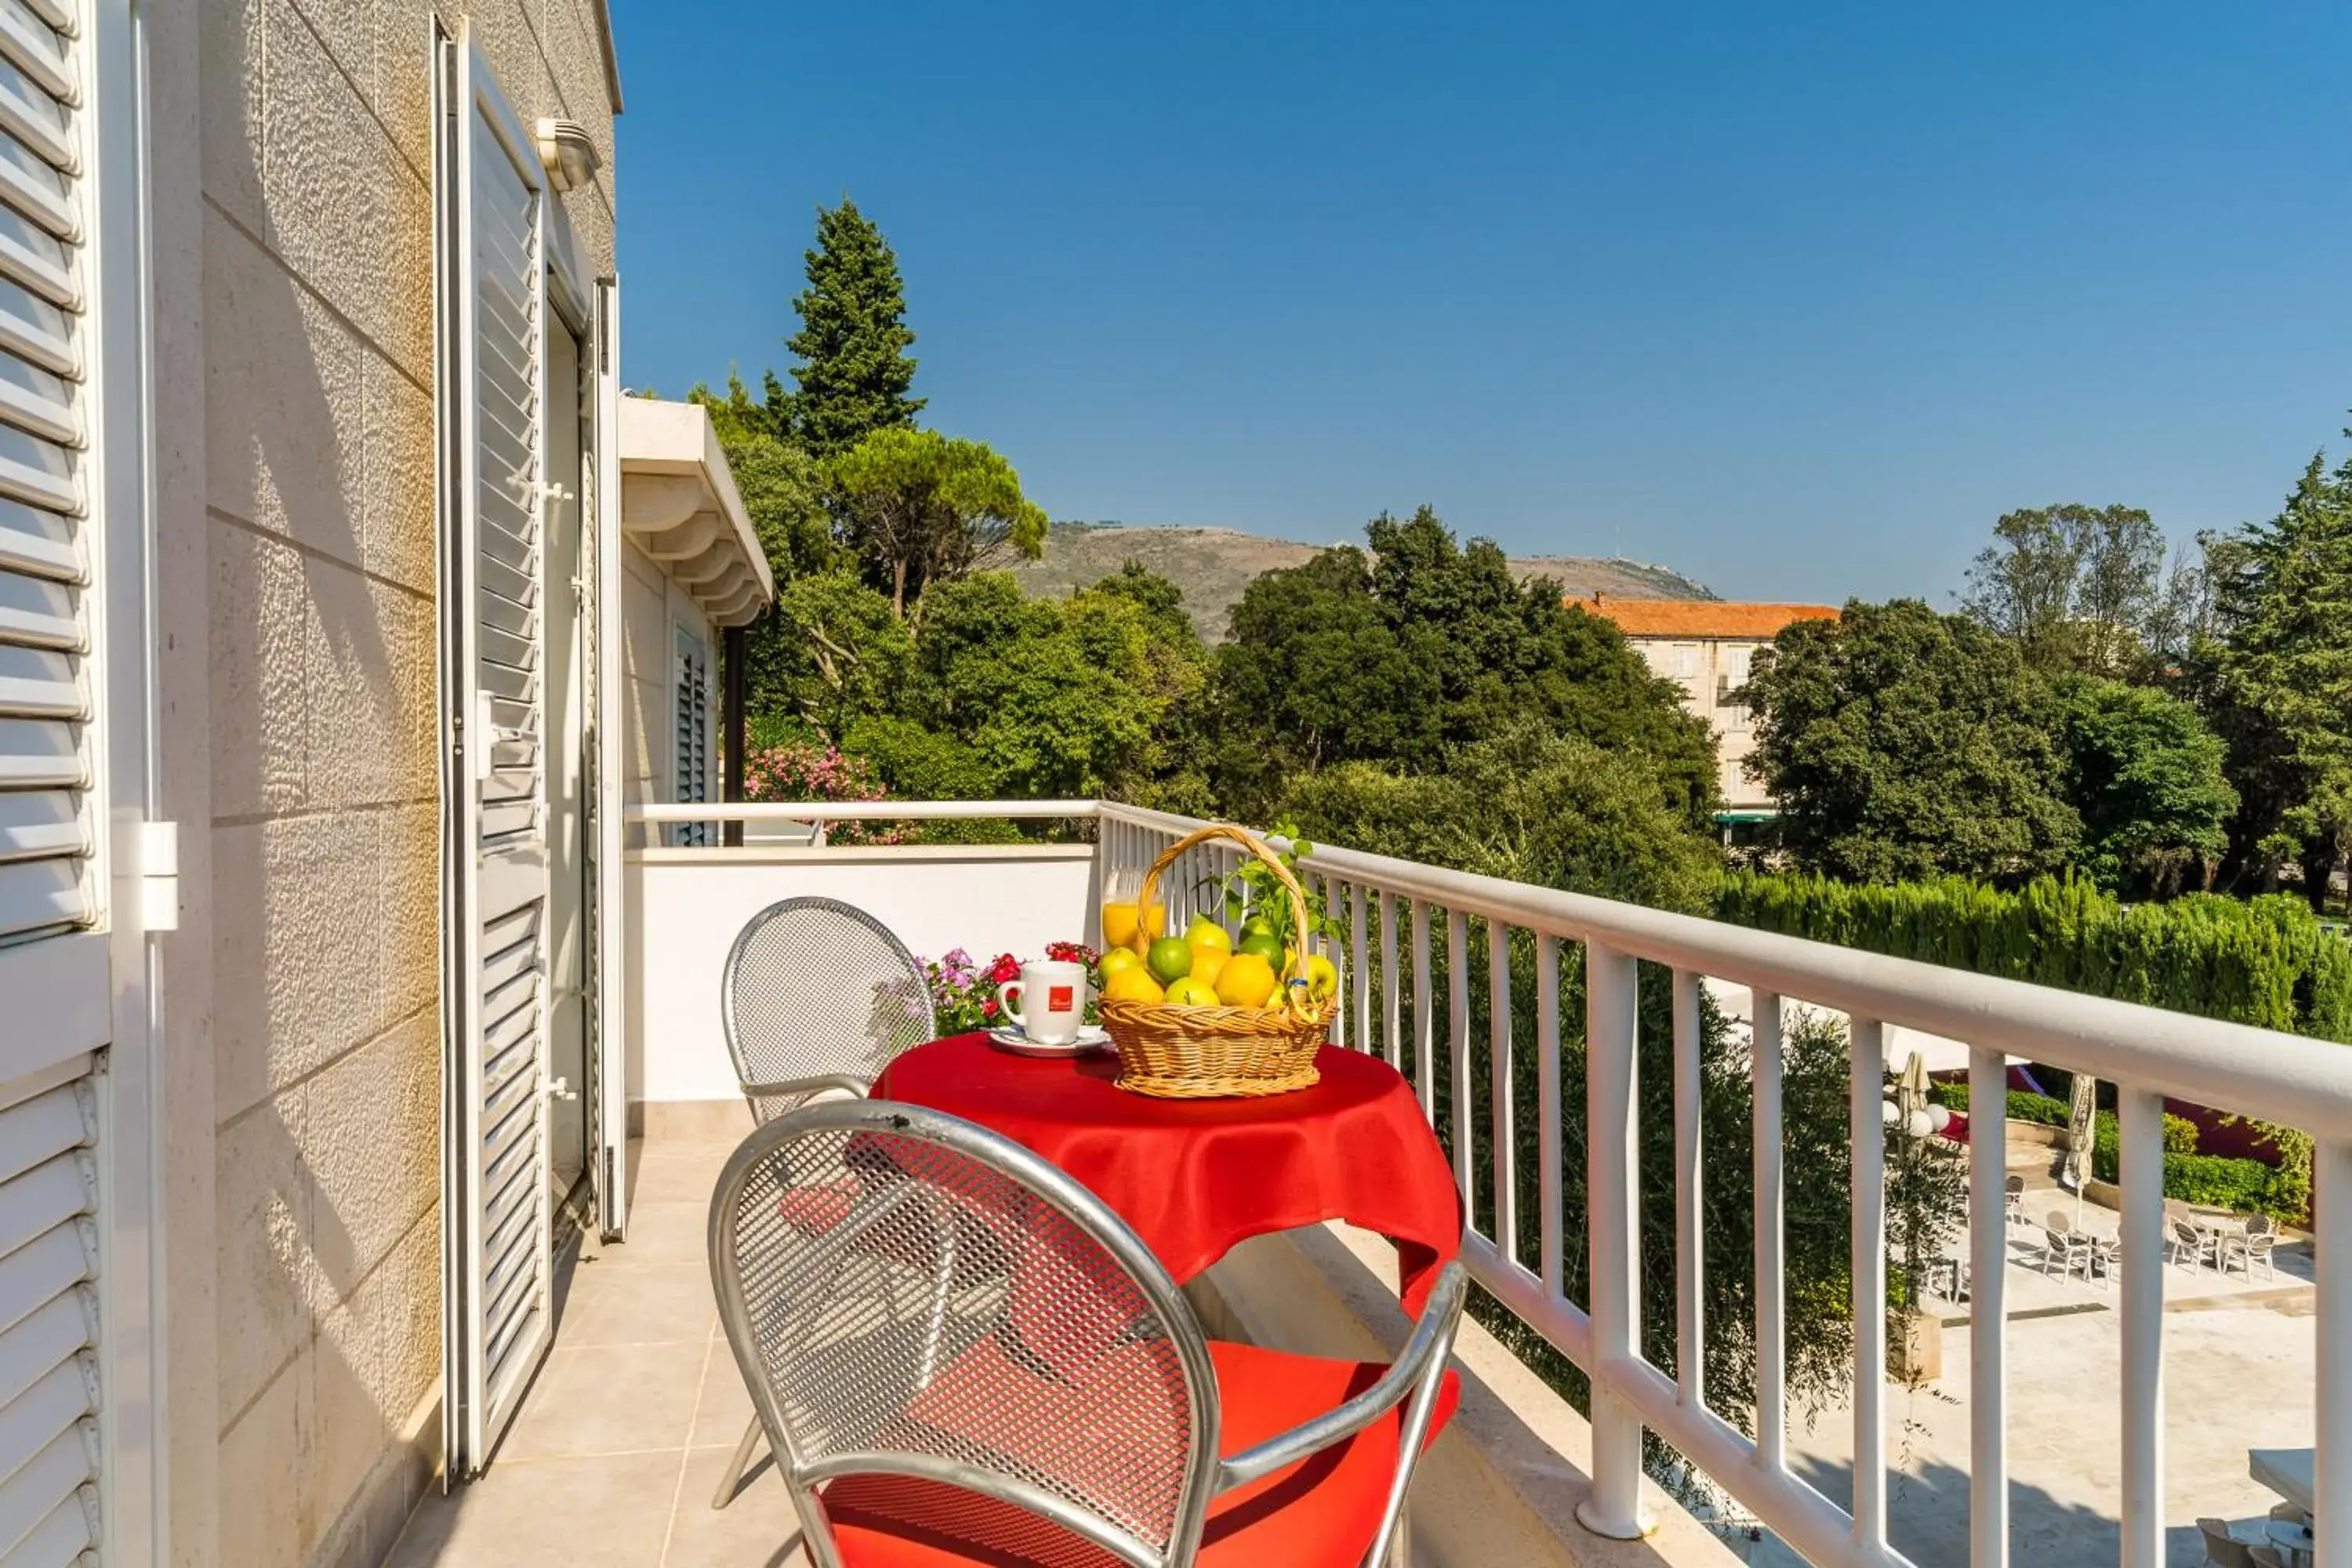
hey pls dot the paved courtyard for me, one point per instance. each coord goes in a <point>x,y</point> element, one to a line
<point>2238,1373</point>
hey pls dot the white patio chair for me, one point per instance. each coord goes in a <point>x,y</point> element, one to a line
<point>2223,1549</point>
<point>817,996</point>
<point>2013,1195</point>
<point>1031,1386</point>
<point>2065,1246</point>
<point>2185,1243</point>
<point>2251,1247</point>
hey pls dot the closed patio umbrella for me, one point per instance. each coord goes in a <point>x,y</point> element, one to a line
<point>2081,1111</point>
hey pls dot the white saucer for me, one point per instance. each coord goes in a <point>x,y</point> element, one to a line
<point>1091,1038</point>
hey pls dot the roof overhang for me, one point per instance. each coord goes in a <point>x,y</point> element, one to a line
<point>612,56</point>
<point>679,505</point>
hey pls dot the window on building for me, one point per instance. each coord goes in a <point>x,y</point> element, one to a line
<point>1685,660</point>
<point>693,728</point>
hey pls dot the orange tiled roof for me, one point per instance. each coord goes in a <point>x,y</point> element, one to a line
<point>1701,617</point>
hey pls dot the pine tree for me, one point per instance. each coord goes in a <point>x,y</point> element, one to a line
<point>855,369</point>
<point>2281,676</point>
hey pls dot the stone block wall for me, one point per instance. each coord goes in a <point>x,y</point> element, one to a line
<point>319,717</point>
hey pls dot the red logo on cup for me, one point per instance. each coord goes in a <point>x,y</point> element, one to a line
<point>1058,999</point>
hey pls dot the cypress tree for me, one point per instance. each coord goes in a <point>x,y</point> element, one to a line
<point>855,369</point>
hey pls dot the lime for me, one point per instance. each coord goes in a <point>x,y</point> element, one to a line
<point>1171,958</point>
<point>1117,959</point>
<point>1190,993</point>
<point>1264,944</point>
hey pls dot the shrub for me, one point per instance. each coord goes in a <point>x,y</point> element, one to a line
<point>811,771</point>
<point>2265,961</point>
<point>2249,1186</point>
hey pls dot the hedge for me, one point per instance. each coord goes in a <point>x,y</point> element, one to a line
<point>2264,961</point>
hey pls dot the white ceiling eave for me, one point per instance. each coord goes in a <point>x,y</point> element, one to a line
<point>679,505</point>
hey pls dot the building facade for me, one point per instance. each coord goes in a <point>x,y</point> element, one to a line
<point>1706,646</point>
<point>327,671</point>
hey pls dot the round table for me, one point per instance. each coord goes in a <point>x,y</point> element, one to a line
<point>1196,1176</point>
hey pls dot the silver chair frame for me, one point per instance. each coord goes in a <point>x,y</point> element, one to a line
<point>1412,1380</point>
<point>816,1083</point>
<point>850,1084</point>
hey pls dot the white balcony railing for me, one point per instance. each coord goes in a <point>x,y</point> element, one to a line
<point>1393,911</point>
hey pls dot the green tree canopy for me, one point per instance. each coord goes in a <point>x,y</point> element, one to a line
<point>2079,587</point>
<point>829,654</point>
<point>855,369</point>
<point>2146,777</point>
<point>1054,697</point>
<point>1903,743</point>
<point>1556,811</point>
<point>2277,677</point>
<point>922,508</point>
<point>1403,655</point>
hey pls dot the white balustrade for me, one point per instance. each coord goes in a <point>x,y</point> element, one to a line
<point>1387,907</point>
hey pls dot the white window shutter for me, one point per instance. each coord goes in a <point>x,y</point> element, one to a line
<point>54,963</point>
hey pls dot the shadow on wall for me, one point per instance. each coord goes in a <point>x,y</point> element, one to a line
<point>319,538</point>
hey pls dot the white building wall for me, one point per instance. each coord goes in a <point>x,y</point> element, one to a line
<point>654,609</point>
<point>688,904</point>
<point>1709,669</point>
<point>302,743</point>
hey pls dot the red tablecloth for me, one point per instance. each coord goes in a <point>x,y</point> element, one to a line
<point>1195,1176</point>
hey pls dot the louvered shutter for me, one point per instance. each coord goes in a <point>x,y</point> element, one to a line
<point>693,724</point>
<point>500,1311</point>
<point>54,975</point>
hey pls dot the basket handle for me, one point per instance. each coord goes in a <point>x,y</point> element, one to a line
<point>1148,893</point>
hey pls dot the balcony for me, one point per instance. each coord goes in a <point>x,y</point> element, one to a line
<point>2074,1421</point>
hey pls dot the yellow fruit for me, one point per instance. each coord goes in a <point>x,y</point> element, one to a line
<point>1133,985</point>
<point>1322,977</point>
<point>1191,992</point>
<point>1246,981</point>
<point>1116,960</point>
<point>1208,962</point>
<point>1207,936</point>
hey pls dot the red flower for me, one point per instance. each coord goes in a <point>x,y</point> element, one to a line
<point>989,1007</point>
<point>1007,967</point>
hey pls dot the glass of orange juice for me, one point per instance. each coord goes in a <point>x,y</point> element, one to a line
<point>1121,918</point>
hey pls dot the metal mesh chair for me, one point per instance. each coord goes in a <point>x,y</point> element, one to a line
<point>972,1354</point>
<point>818,994</point>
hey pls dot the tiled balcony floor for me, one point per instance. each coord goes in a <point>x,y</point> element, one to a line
<point>620,1442</point>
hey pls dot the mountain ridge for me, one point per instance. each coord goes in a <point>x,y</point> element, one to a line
<point>1214,565</point>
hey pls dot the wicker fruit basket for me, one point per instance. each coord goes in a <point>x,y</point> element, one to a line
<point>1215,1052</point>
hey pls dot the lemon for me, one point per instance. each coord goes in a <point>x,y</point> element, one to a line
<point>1246,981</point>
<point>1191,992</point>
<point>1322,977</point>
<point>1206,935</point>
<point>1208,962</point>
<point>1117,959</point>
<point>1133,985</point>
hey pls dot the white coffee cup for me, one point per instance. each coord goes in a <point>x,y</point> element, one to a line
<point>1048,1003</point>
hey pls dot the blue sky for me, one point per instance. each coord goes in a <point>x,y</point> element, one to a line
<point>1796,299</point>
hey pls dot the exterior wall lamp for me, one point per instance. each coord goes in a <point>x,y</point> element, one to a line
<point>566,152</point>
